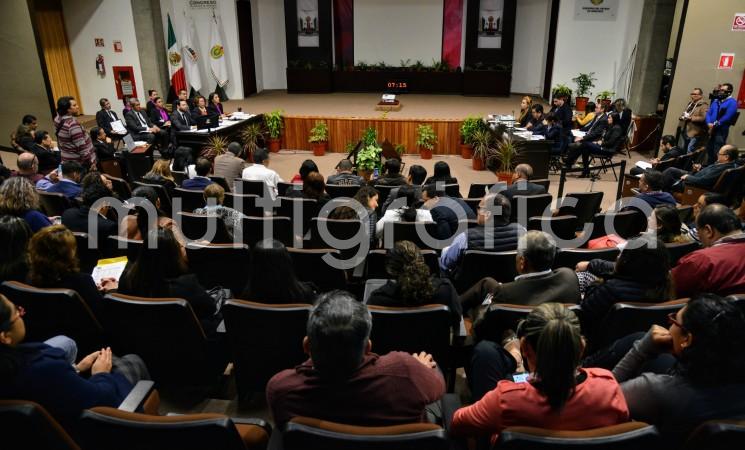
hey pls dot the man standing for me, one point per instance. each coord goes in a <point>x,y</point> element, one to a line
<point>719,118</point>
<point>343,381</point>
<point>694,112</point>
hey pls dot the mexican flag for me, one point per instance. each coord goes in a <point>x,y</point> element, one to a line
<point>175,62</point>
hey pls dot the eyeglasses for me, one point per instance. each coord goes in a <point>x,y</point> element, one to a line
<point>9,323</point>
<point>673,320</point>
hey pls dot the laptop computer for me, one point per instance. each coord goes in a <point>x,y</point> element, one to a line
<point>132,146</point>
<point>208,122</point>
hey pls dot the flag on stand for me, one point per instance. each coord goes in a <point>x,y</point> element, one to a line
<point>175,63</point>
<point>218,66</point>
<point>190,56</point>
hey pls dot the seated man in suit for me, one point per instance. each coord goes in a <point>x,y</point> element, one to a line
<point>521,184</point>
<point>230,165</point>
<point>49,159</point>
<point>535,124</point>
<point>182,95</point>
<point>201,181</point>
<point>535,283</point>
<point>494,233</point>
<point>105,116</point>
<point>595,130</point>
<point>705,177</point>
<point>140,126</point>
<point>343,381</point>
<point>76,219</point>
<point>181,119</point>
<point>102,143</point>
<point>669,151</point>
<point>69,182</point>
<point>344,175</point>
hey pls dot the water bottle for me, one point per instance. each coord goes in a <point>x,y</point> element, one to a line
<point>376,173</point>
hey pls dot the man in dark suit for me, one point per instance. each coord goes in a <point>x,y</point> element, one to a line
<point>182,95</point>
<point>152,94</point>
<point>140,126</point>
<point>596,129</point>
<point>702,177</point>
<point>180,119</point>
<point>201,181</point>
<point>76,219</point>
<point>536,283</point>
<point>563,113</point>
<point>624,114</point>
<point>49,159</point>
<point>102,143</point>
<point>521,184</point>
<point>105,116</point>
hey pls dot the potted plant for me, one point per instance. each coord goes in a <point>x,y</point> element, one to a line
<point>562,90</point>
<point>368,159</point>
<point>215,145</point>
<point>274,124</point>
<point>400,149</point>
<point>319,138</point>
<point>370,137</point>
<point>250,135</point>
<point>468,127</point>
<point>505,152</point>
<point>584,82</point>
<point>482,141</point>
<point>606,97</point>
<point>426,140</point>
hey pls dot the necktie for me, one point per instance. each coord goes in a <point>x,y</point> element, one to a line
<point>183,117</point>
<point>142,121</point>
<point>111,115</point>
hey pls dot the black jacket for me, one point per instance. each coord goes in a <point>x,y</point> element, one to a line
<point>103,120</point>
<point>212,109</point>
<point>522,187</point>
<point>444,294</point>
<point>181,124</point>
<point>133,124</point>
<point>76,219</point>
<point>613,138</point>
<point>447,214</point>
<point>598,126</point>
<point>48,159</point>
<point>104,151</point>
<point>564,116</point>
<point>156,118</point>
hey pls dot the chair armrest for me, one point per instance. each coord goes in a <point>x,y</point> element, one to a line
<point>137,396</point>
<point>691,194</point>
<point>449,404</point>
<point>253,421</point>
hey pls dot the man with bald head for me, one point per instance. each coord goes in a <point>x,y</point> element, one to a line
<point>705,177</point>
<point>521,184</point>
<point>719,267</point>
<point>28,168</point>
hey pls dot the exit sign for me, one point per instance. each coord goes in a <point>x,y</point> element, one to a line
<point>726,61</point>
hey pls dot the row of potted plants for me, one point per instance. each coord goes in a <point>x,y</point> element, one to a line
<point>585,82</point>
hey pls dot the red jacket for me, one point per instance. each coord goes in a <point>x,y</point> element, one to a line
<point>719,269</point>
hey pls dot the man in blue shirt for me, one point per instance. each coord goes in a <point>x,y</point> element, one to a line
<point>719,118</point>
<point>69,182</point>
<point>650,189</point>
<point>201,181</point>
<point>705,177</point>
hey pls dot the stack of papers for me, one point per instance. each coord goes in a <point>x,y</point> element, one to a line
<point>118,127</point>
<point>109,268</point>
<point>579,134</point>
<point>389,98</point>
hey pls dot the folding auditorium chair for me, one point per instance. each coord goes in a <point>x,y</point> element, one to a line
<point>196,227</point>
<point>625,318</point>
<point>190,199</point>
<point>120,246</point>
<point>264,339</point>
<point>120,187</point>
<point>163,196</point>
<point>375,263</point>
<point>341,190</point>
<point>477,264</point>
<point>137,165</point>
<point>253,187</point>
<point>729,184</point>
<point>588,204</point>
<point>245,204</point>
<point>283,188</point>
<point>384,192</point>
<point>166,334</point>
<point>179,177</point>
<point>473,203</point>
<point>501,317</point>
<point>562,227</point>
<point>28,424</point>
<point>679,250</point>
<point>478,190</point>
<point>53,204</point>
<point>281,230</point>
<point>545,182</point>
<point>301,210</point>
<point>342,230</point>
<point>305,433</point>
<point>717,435</point>
<point>569,257</point>
<point>452,190</point>
<point>87,256</point>
<point>409,231</point>
<point>534,205</point>
<point>53,312</point>
<point>219,265</point>
<point>626,224</point>
<point>624,436</point>
<point>310,266</point>
<point>221,181</point>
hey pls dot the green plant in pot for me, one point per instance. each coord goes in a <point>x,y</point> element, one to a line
<point>319,138</point>
<point>483,147</point>
<point>369,137</point>
<point>468,127</point>
<point>368,159</point>
<point>215,145</point>
<point>562,90</point>
<point>584,82</point>
<point>400,149</point>
<point>274,125</point>
<point>605,97</point>
<point>506,153</point>
<point>426,140</point>
<point>250,135</point>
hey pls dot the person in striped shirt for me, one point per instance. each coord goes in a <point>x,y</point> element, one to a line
<point>72,139</point>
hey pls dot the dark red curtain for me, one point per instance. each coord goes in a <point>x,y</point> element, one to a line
<point>344,32</point>
<point>452,26</point>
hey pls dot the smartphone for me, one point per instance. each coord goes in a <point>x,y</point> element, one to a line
<point>520,377</point>
<point>487,299</point>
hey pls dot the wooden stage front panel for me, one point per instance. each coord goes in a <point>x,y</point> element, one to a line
<point>345,130</point>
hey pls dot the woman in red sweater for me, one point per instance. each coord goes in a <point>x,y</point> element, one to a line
<point>557,393</point>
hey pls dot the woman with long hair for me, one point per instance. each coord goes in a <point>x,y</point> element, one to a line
<point>441,174</point>
<point>407,213</point>
<point>306,168</point>
<point>272,279</point>
<point>162,271</point>
<point>367,197</point>
<point>665,220</point>
<point>708,381</point>
<point>19,198</point>
<point>14,236</point>
<point>137,225</point>
<point>556,393</point>
<point>412,284</point>
<point>53,263</point>
<point>524,117</point>
<point>161,174</point>
<point>214,106</point>
<point>46,372</point>
<point>183,161</point>
<point>583,120</point>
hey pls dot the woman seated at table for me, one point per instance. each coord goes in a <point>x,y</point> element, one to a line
<point>159,115</point>
<point>200,109</point>
<point>583,120</point>
<point>214,106</point>
<point>535,125</point>
<point>524,117</point>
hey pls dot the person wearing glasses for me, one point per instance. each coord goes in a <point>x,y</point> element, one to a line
<point>694,112</point>
<point>46,372</point>
<point>708,378</point>
<point>705,177</point>
<point>539,381</point>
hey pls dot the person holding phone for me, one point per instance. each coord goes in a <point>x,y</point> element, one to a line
<point>558,393</point>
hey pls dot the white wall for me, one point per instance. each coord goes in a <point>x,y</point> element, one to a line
<point>392,31</point>
<point>227,18</point>
<point>603,47</point>
<point>531,44</point>
<point>111,20</point>
<point>269,33</point>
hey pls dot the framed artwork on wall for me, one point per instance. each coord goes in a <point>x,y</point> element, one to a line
<point>307,23</point>
<point>118,46</point>
<point>491,23</point>
<point>99,42</point>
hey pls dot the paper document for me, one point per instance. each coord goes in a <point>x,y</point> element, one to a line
<point>389,97</point>
<point>109,268</point>
<point>579,134</point>
<point>644,165</point>
<point>118,127</point>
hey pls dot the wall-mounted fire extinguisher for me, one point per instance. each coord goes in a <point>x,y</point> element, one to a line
<point>100,68</point>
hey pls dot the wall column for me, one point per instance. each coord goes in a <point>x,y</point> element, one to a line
<point>651,52</point>
<point>151,47</point>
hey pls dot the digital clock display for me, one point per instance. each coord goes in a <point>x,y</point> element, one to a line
<point>397,86</point>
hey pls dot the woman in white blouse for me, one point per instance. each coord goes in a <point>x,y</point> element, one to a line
<point>404,213</point>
